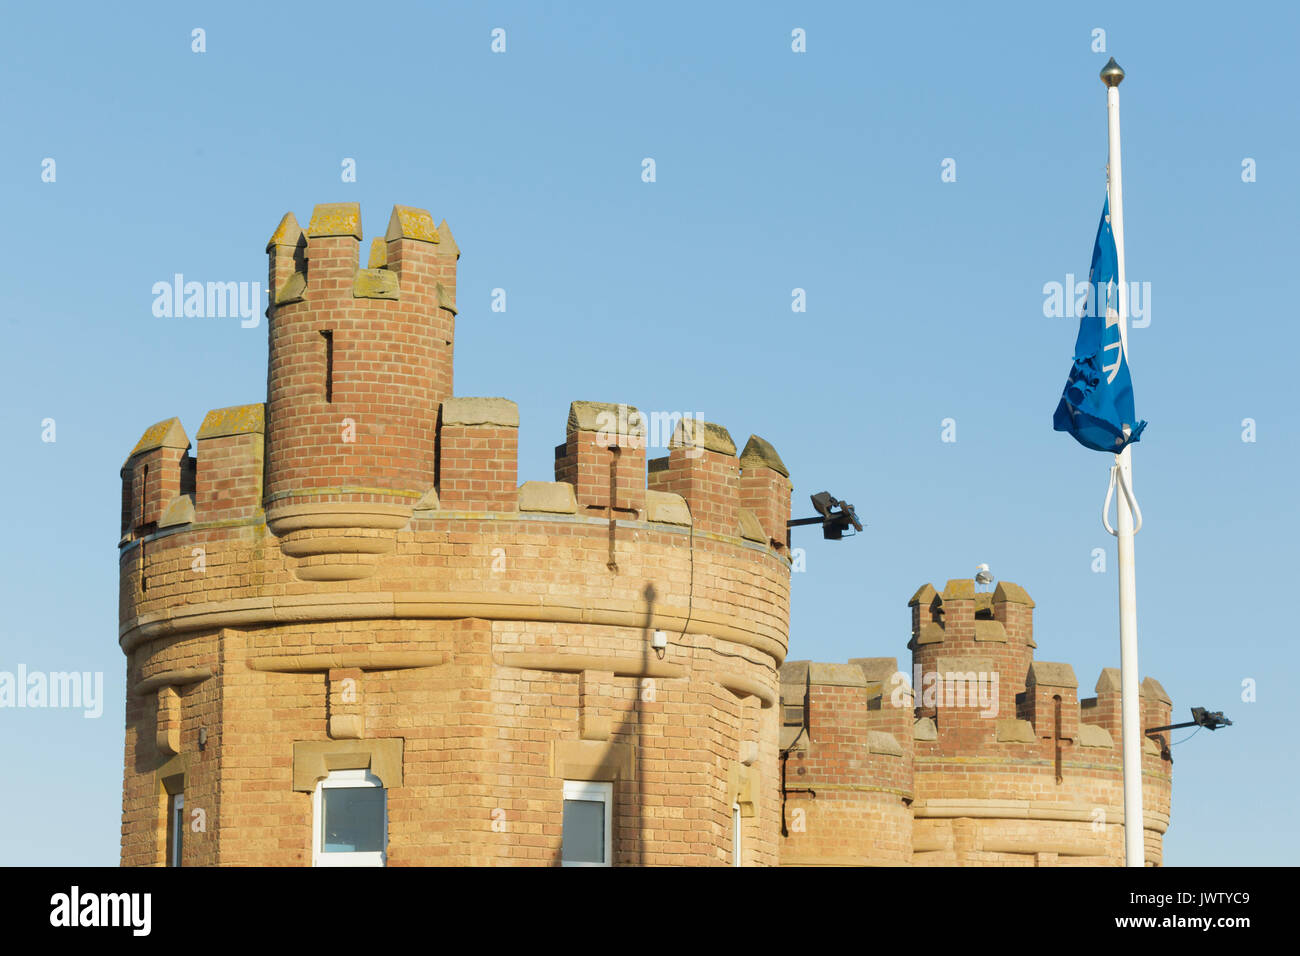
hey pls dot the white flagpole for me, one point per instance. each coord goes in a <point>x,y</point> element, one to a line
<point>1130,702</point>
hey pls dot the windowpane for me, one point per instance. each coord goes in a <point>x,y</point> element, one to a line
<point>584,831</point>
<point>353,820</point>
<point>175,828</point>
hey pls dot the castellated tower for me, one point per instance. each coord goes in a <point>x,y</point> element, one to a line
<point>353,636</point>
<point>981,756</point>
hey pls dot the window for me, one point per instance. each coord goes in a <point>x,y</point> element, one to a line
<point>328,336</point>
<point>588,824</point>
<point>350,820</point>
<point>175,827</point>
<point>735,834</point>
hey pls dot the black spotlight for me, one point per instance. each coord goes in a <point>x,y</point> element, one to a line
<point>834,522</point>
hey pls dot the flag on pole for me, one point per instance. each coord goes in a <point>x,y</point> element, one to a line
<point>1098,399</point>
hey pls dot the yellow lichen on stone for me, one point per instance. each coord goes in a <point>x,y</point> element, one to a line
<point>378,254</point>
<point>408,222</point>
<point>234,420</point>
<point>336,219</point>
<point>286,234</point>
<point>164,434</point>
<point>375,284</point>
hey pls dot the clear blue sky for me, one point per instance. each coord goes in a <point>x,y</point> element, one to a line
<point>775,170</point>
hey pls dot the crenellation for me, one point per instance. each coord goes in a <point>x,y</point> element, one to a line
<point>1007,776</point>
<point>355,568</point>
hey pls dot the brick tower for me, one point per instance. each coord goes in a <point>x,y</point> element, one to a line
<point>352,635</point>
<point>990,759</point>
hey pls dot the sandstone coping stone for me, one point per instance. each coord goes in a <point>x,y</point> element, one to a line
<point>167,433</point>
<point>876,668</point>
<point>1014,731</point>
<point>959,589</point>
<point>1008,593</point>
<point>702,434</point>
<point>378,254</point>
<point>1050,674</point>
<point>794,672</point>
<point>293,290</point>
<point>288,233</point>
<point>409,222</point>
<point>666,508</point>
<point>837,675</point>
<point>375,284</point>
<point>234,420</point>
<point>447,243</point>
<point>605,417</point>
<point>759,453</point>
<point>1090,735</point>
<point>750,528</point>
<point>1108,682</point>
<point>429,501</point>
<point>180,510</point>
<point>500,412</point>
<point>880,742</point>
<point>931,633</point>
<point>335,219</point>
<point>924,729</point>
<point>924,596</point>
<point>1150,688</point>
<point>553,497</point>
<point>991,631</point>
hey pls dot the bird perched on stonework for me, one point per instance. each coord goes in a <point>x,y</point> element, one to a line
<point>983,575</point>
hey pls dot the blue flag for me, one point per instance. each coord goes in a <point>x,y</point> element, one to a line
<point>1098,399</point>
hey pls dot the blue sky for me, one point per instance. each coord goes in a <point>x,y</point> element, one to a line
<point>774,170</point>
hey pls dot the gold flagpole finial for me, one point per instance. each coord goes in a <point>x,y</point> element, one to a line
<point>1112,74</point>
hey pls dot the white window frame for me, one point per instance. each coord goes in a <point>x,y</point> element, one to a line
<point>737,844</point>
<point>176,809</point>
<point>341,779</point>
<point>595,792</point>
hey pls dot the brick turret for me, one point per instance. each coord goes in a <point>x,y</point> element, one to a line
<point>351,576</point>
<point>360,361</point>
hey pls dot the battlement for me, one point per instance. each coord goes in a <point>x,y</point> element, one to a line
<point>600,471</point>
<point>984,733</point>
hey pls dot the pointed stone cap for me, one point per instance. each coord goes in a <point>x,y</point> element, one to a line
<point>234,420</point>
<point>959,589</point>
<point>1108,682</point>
<point>165,434</point>
<point>1008,593</point>
<point>759,453</point>
<point>704,435</point>
<point>1051,674</point>
<point>876,668</point>
<point>378,254</point>
<point>335,219</point>
<point>924,596</point>
<point>288,233</point>
<point>605,417</point>
<point>447,242</point>
<point>1151,689</point>
<point>408,222</point>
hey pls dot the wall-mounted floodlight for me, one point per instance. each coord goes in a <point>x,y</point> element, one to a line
<point>834,522</point>
<point>1209,719</point>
